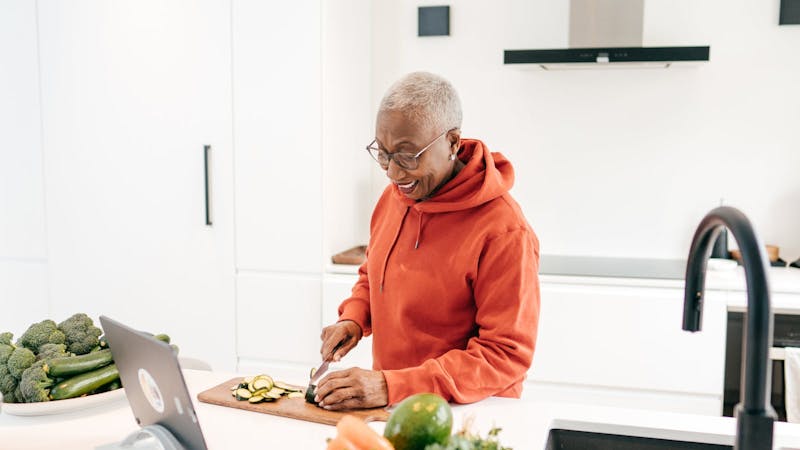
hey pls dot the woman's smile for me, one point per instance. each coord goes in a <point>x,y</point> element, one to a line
<point>407,188</point>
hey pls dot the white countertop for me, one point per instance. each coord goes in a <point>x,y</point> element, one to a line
<point>524,422</point>
<point>784,284</point>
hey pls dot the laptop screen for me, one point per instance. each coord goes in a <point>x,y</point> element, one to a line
<point>153,383</point>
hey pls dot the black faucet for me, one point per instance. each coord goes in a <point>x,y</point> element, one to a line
<point>755,417</point>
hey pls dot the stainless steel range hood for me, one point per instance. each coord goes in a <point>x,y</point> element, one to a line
<point>606,34</point>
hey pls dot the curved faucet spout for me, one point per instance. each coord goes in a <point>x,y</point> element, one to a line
<point>755,417</point>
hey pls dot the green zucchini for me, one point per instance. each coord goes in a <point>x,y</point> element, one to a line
<point>73,365</point>
<point>84,383</point>
<point>311,393</point>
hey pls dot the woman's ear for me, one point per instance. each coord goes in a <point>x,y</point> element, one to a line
<point>454,137</point>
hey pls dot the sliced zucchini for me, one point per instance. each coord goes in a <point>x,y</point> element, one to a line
<point>262,383</point>
<point>274,395</point>
<point>263,388</point>
<point>243,394</point>
<point>286,387</point>
<point>260,392</point>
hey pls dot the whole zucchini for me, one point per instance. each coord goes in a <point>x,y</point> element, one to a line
<point>73,365</point>
<point>84,383</point>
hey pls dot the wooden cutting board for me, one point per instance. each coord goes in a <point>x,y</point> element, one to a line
<point>295,408</point>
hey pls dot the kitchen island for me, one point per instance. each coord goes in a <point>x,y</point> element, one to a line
<point>524,423</point>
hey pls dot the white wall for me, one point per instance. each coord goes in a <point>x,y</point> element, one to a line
<point>23,249</point>
<point>622,162</point>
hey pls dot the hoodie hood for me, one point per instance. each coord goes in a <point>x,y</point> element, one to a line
<point>485,177</point>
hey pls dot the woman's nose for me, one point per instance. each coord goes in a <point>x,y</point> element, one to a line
<point>394,171</point>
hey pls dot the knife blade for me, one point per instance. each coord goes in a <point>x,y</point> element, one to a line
<point>319,372</point>
<point>323,367</point>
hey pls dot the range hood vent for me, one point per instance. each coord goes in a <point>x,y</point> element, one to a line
<point>606,34</point>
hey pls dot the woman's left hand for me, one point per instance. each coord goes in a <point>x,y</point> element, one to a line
<point>352,388</point>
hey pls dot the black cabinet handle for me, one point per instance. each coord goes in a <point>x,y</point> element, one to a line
<point>206,176</point>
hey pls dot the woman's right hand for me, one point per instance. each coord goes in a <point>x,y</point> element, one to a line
<point>346,332</point>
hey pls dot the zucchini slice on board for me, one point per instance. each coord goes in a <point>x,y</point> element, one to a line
<point>255,399</point>
<point>243,394</point>
<point>286,387</point>
<point>263,388</point>
<point>263,383</point>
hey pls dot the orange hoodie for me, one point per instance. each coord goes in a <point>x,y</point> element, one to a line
<point>450,291</point>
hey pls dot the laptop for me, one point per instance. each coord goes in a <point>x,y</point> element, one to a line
<point>153,383</point>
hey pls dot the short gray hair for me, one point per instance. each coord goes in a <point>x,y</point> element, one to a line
<point>426,98</point>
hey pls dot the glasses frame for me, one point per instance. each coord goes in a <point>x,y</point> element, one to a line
<point>391,156</point>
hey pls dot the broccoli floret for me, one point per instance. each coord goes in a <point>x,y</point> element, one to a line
<point>7,384</point>
<point>5,352</point>
<point>20,359</point>
<point>51,351</point>
<point>81,334</point>
<point>17,395</point>
<point>38,334</point>
<point>9,397</point>
<point>35,384</point>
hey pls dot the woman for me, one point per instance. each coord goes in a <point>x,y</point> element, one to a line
<point>449,291</point>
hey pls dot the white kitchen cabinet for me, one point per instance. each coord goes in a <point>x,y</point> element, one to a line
<point>132,92</point>
<point>277,125</point>
<point>614,345</point>
<point>23,250</point>
<point>23,295</point>
<point>21,193</point>
<point>278,318</point>
<point>629,340</point>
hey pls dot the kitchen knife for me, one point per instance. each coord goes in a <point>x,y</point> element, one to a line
<point>323,367</point>
<point>319,372</point>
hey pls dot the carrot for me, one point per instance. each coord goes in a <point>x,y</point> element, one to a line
<point>340,443</point>
<point>361,435</point>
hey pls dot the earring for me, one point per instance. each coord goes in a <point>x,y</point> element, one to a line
<point>452,157</point>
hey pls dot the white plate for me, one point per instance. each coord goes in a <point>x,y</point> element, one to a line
<point>62,406</point>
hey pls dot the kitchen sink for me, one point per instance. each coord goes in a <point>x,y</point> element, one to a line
<point>561,439</point>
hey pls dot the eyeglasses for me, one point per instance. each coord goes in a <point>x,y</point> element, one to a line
<point>407,161</point>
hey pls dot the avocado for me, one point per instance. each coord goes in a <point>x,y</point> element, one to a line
<point>418,421</point>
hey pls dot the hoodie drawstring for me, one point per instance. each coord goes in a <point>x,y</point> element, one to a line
<point>419,230</point>
<point>391,248</point>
